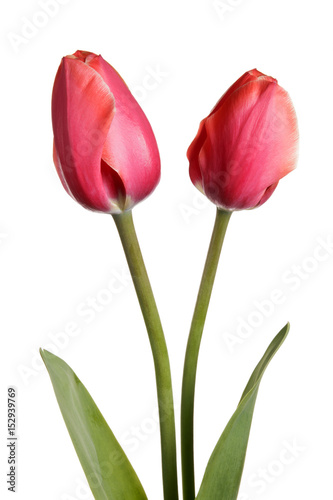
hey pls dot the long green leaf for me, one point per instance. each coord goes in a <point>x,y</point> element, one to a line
<point>108,470</point>
<point>224,470</point>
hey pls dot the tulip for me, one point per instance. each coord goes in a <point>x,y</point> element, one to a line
<point>246,144</point>
<point>105,151</point>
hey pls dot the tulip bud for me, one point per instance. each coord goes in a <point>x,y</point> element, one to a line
<point>105,151</point>
<point>246,144</point>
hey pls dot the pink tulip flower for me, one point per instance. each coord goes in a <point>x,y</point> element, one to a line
<point>105,151</point>
<point>246,144</point>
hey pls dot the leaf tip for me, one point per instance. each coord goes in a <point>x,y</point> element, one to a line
<point>42,353</point>
<point>47,356</point>
<point>286,329</point>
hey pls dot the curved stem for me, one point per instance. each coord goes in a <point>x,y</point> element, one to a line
<point>192,351</point>
<point>125,226</point>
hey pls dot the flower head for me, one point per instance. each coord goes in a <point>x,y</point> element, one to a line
<point>246,144</point>
<point>105,151</point>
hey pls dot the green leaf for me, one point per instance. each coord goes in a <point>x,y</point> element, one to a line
<point>224,470</point>
<point>108,470</point>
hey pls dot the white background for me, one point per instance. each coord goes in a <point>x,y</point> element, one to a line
<point>54,255</point>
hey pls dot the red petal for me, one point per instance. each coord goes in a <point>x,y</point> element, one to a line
<point>193,155</point>
<point>130,148</point>
<point>250,76</point>
<point>82,111</point>
<point>251,143</point>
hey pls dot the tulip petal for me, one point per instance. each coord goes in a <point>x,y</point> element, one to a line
<point>251,143</point>
<point>249,76</point>
<point>113,184</point>
<point>130,147</point>
<point>267,194</point>
<point>82,111</point>
<point>193,154</point>
<point>57,164</point>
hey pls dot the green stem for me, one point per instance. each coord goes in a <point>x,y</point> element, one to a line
<point>192,351</point>
<point>125,226</point>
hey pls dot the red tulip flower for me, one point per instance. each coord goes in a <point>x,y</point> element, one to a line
<point>246,144</point>
<point>105,151</point>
